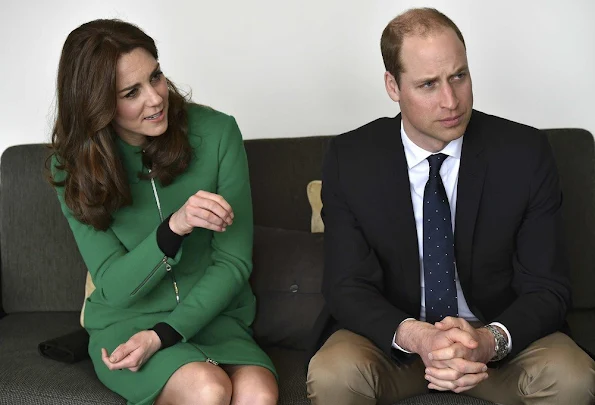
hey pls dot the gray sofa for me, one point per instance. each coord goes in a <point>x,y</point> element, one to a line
<point>42,275</point>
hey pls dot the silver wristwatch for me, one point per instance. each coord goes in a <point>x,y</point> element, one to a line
<point>501,343</point>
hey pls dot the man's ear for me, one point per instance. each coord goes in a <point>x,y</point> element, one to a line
<point>392,88</point>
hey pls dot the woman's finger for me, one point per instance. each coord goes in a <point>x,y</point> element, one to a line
<point>203,212</point>
<point>132,360</point>
<point>217,205</point>
<point>122,351</point>
<point>197,222</point>
<point>217,198</point>
<point>105,358</point>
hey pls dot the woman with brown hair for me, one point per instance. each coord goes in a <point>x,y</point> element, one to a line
<point>168,306</point>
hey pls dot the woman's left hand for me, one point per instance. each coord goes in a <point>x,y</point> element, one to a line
<point>134,353</point>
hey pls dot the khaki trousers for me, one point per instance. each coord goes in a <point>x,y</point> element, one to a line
<point>350,370</point>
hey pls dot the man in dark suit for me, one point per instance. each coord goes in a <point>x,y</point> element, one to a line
<point>444,268</point>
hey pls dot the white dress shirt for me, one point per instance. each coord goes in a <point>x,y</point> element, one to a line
<point>419,172</point>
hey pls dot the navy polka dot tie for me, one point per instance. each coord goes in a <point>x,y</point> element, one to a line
<point>439,259</point>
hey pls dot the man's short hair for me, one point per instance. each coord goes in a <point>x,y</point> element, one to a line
<point>416,21</point>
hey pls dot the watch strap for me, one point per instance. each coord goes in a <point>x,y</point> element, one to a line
<point>501,349</point>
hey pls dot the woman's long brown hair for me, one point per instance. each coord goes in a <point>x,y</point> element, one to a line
<point>83,141</point>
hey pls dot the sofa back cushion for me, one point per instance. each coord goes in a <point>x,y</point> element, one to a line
<point>574,150</point>
<point>287,281</point>
<point>41,267</point>
<point>280,170</point>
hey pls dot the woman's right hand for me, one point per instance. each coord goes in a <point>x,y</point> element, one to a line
<point>134,353</point>
<point>202,210</point>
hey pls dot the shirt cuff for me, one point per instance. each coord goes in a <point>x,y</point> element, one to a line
<point>168,335</point>
<point>168,241</point>
<point>394,344</point>
<point>498,324</point>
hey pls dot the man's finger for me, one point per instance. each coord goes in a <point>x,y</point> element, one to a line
<point>438,364</point>
<point>456,350</point>
<point>471,380</point>
<point>441,384</point>
<point>464,366</point>
<point>444,374</point>
<point>464,383</point>
<point>453,322</point>
<point>447,353</point>
<point>463,337</point>
<point>448,323</point>
<point>461,366</point>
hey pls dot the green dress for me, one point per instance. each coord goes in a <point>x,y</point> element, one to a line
<point>134,291</point>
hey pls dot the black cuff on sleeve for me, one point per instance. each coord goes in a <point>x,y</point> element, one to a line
<point>168,335</point>
<point>168,241</point>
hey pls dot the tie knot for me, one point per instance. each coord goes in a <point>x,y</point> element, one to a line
<point>435,162</point>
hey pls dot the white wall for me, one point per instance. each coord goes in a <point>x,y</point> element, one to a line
<point>310,67</point>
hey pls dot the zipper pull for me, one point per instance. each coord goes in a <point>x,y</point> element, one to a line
<point>167,267</point>
<point>213,362</point>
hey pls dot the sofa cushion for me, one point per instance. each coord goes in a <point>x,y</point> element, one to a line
<point>574,151</point>
<point>28,378</point>
<point>291,367</point>
<point>280,169</point>
<point>42,269</point>
<point>286,279</point>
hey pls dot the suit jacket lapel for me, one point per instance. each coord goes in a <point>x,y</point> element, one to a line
<point>471,179</point>
<point>400,221</point>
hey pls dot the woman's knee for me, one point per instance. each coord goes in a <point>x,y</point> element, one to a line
<point>198,383</point>
<point>263,395</point>
<point>211,385</point>
<point>253,385</point>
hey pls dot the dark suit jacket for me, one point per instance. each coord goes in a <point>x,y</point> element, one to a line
<point>507,230</point>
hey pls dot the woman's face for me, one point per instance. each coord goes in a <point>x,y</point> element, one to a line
<point>142,97</point>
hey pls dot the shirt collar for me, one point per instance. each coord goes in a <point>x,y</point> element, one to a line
<point>415,155</point>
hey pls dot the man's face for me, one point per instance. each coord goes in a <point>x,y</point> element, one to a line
<point>435,92</point>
